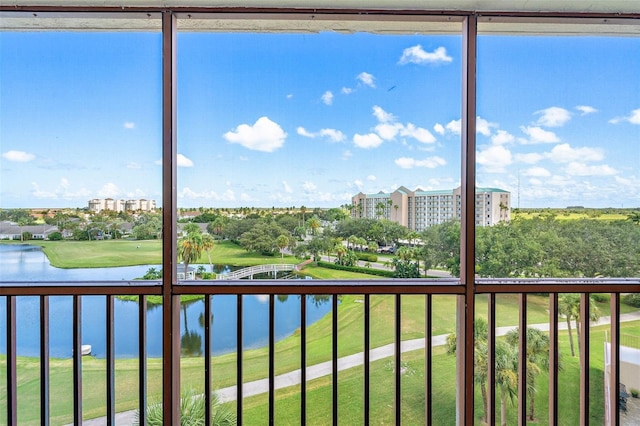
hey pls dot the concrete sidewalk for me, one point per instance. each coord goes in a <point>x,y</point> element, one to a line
<point>294,378</point>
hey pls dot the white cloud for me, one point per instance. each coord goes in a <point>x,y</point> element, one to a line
<point>484,127</point>
<point>309,187</point>
<point>418,133</point>
<point>382,115</point>
<point>388,131</point>
<point>133,165</point>
<point>303,132</point>
<point>388,128</point>
<point>502,137</point>
<point>290,96</point>
<point>265,135</point>
<point>553,117</point>
<point>188,193</point>
<point>439,128</point>
<point>286,187</point>
<point>358,183</point>
<point>537,172</point>
<point>417,55</point>
<point>333,134</point>
<point>494,158</point>
<point>61,192</point>
<point>129,125</point>
<point>347,154</point>
<point>586,109</point>
<point>429,163</point>
<point>538,135</point>
<point>18,156</point>
<point>371,178</point>
<point>633,118</point>
<point>366,79</point>
<point>109,190</point>
<point>529,158</point>
<point>454,126</point>
<point>346,90</point>
<point>327,97</point>
<point>184,161</point>
<point>581,169</point>
<point>370,140</point>
<point>563,153</point>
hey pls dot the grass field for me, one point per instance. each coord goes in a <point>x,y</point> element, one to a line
<point>112,253</point>
<point>560,215</point>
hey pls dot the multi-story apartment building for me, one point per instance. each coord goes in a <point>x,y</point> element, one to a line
<point>420,209</point>
<point>99,204</point>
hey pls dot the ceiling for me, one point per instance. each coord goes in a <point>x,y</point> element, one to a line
<point>562,6</point>
<point>242,15</point>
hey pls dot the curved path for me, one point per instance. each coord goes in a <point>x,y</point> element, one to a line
<point>325,369</point>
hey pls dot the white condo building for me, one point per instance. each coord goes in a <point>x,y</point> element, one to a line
<point>419,209</point>
<point>99,204</point>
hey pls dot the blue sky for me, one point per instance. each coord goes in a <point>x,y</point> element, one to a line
<point>311,119</point>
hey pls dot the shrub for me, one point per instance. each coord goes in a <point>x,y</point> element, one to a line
<point>370,271</point>
<point>191,411</point>
<point>634,392</point>
<point>632,299</point>
<point>367,257</point>
<point>601,297</point>
<point>55,236</point>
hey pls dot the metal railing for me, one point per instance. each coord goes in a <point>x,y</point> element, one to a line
<point>367,289</point>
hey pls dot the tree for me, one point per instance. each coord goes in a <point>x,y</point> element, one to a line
<point>207,246</point>
<point>190,249</point>
<point>634,217</point>
<point>282,241</point>
<point>537,360</point>
<point>506,367</point>
<point>314,225</point>
<point>569,307</point>
<point>480,370</point>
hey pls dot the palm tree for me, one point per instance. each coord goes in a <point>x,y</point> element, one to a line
<point>340,250</point>
<point>537,360</point>
<point>303,209</point>
<point>506,359</point>
<point>282,242</point>
<point>480,370</point>
<point>569,306</point>
<point>207,246</point>
<point>189,249</point>
<point>314,224</point>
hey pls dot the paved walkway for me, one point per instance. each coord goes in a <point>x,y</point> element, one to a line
<point>293,378</point>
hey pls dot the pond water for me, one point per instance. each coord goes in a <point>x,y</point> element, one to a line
<point>28,263</point>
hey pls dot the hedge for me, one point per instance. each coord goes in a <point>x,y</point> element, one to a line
<point>367,257</point>
<point>632,299</point>
<point>360,269</point>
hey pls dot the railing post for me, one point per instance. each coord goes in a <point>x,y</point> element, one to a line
<point>171,303</point>
<point>466,303</point>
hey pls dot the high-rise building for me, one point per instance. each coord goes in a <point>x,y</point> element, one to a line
<point>420,209</point>
<point>99,204</point>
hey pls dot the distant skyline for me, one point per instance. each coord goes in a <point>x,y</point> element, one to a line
<point>312,119</point>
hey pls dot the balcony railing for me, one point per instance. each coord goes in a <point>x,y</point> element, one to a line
<point>431,288</point>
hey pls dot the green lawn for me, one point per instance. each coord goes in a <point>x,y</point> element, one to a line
<point>111,253</point>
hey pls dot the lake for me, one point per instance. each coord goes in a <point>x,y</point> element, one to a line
<point>28,263</point>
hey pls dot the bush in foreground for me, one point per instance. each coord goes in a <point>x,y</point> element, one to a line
<point>192,409</point>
